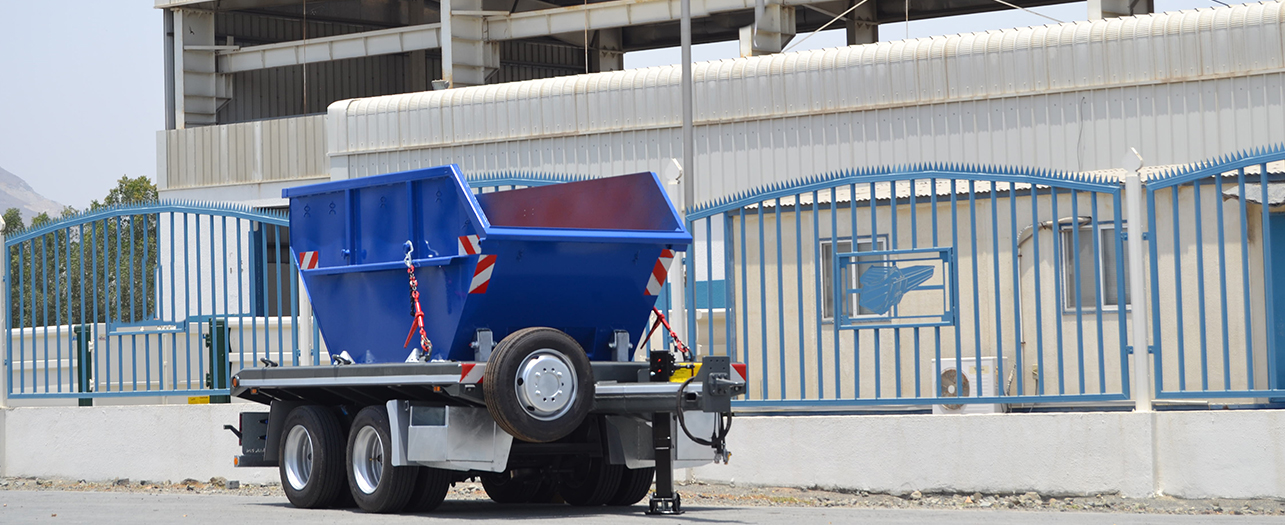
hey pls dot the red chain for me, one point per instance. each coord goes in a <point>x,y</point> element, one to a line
<point>660,319</point>
<point>424,344</point>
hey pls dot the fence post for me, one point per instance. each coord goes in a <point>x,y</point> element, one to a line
<point>1138,320</point>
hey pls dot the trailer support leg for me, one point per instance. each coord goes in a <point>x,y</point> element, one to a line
<point>664,500</point>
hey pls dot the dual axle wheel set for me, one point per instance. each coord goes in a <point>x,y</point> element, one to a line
<point>539,389</point>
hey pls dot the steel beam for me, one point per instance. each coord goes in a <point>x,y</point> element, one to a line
<point>354,45</point>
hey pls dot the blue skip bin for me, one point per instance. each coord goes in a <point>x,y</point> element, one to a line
<point>586,258</point>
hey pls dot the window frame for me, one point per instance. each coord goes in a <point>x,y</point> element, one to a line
<point>1065,270</point>
<point>879,242</point>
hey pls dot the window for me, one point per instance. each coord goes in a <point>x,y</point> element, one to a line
<point>1107,264</point>
<point>854,272</point>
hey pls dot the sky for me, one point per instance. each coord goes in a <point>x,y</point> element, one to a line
<point>82,93</point>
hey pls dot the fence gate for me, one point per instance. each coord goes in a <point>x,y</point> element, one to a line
<point>1217,261</point>
<point>940,285</point>
<point>155,299</point>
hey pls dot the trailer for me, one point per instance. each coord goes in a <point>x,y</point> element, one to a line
<point>486,336</point>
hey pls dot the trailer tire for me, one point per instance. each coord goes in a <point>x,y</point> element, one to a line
<point>593,483</point>
<point>634,486</point>
<point>310,458</point>
<point>538,384</point>
<point>431,487</point>
<point>376,485</point>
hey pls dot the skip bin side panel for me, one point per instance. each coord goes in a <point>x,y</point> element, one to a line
<point>317,224</point>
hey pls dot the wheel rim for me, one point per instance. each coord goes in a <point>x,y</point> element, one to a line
<point>298,456</point>
<point>367,459</point>
<point>546,384</point>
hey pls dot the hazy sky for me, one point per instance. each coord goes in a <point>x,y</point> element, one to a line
<point>81,92</point>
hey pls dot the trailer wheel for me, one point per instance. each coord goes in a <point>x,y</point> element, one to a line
<point>634,486</point>
<point>431,487</point>
<point>376,485</point>
<point>593,482</point>
<point>538,384</point>
<point>311,457</point>
<point>505,490</point>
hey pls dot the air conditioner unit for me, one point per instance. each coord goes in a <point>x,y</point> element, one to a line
<point>970,383</point>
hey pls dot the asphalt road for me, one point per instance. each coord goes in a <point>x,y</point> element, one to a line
<point>103,508</point>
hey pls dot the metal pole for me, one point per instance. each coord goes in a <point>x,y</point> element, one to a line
<point>689,182</point>
<point>1141,353</point>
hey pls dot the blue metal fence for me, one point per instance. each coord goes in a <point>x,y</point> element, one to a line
<point>147,300</point>
<point>907,286</point>
<point>1216,260</point>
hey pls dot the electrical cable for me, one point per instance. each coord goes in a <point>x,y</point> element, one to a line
<point>720,430</point>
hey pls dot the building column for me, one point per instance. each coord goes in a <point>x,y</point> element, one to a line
<point>861,24</point>
<point>1099,9</point>
<point>199,90</point>
<point>609,54</point>
<point>467,57</point>
<point>774,30</point>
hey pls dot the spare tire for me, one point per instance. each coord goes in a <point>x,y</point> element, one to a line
<point>538,384</point>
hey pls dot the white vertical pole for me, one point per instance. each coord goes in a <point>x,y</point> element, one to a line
<point>1138,322</point>
<point>675,184</point>
<point>448,47</point>
<point>306,344</point>
<point>4,312</point>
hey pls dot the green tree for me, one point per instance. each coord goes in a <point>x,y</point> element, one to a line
<point>12,221</point>
<point>98,271</point>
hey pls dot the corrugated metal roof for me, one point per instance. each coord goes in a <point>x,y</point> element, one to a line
<point>1165,47</point>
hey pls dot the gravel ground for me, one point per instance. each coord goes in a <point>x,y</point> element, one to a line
<point>719,495</point>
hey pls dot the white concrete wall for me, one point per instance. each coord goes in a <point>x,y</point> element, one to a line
<point>1232,454</point>
<point>137,442</point>
<point>1183,454</point>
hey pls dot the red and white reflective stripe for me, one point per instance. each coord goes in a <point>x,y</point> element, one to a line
<point>742,370</point>
<point>307,260</point>
<point>470,245</point>
<point>482,275</point>
<point>659,272</point>
<point>471,373</point>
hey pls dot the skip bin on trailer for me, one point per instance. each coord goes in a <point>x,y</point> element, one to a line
<point>531,304</point>
<point>576,257</point>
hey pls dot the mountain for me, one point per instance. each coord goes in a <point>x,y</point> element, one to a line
<point>16,193</point>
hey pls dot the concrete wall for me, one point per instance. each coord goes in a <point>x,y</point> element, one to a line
<point>136,442</point>
<point>1233,454</point>
<point>1181,454</point>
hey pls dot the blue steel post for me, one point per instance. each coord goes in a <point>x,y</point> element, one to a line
<point>1097,280</point>
<point>816,271</point>
<point>835,289</point>
<point>1152,234</point>
<point>240,300</point>
<point>8,321</point>
<point>729,290</point>
<point>1177,286</point>
<point>874,246</point>
<point>187,300</point>
<point>1039,310</point>
<point>44,300</point>
<point>709,283</point>
<point>932,200</point>
<point>780,300</point>
<point>1200,286</point>
<point>57,313</point>
<point>1079,297</point>
<point>293,270</point>
<point>276,250</point>
<point>856,334</point>
<point>914,243</point>
<point>892,242</point>
<point>798,290</point>
<point>745,292</point>
<point>954,242</point>
<point>1059,301</point>
<point>1244,278</point>
<point>762,300</point>
<point>1268,278</point>
<point>93,269</point>
<point>999,305</point>
<point>1017,287</point>
<point>133,307</point>
<point>977,293</point>
<point>1122,286</point>
<point>1222,283</point>
<point>173,309</point>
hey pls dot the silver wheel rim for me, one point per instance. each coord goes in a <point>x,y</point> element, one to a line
<point>298,455</point>
<point>546,384</point>
<point>367,459</point>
